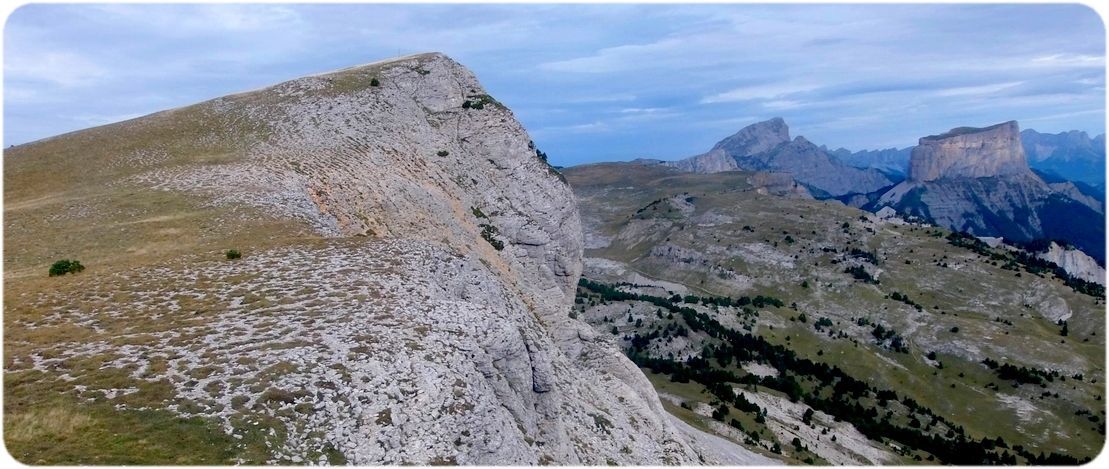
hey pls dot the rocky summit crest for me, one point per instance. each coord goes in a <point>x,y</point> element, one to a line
<point>756,138</point>
<point>408,258</point>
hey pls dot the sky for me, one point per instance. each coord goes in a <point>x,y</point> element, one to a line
<point>589,82</point>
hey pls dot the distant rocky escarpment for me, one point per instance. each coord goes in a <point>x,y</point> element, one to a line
<point>978,180</point>
<point>1073,155</point>
<point>766,146</point>
<point>892,161</point>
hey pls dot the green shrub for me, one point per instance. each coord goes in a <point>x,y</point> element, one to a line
<point>478,101</point>
<point>489,232</point>
<point>859,273</point>
<point>234,254</point>
<point>65,266</point>
<point>374,82</point>
<point>443,153</point>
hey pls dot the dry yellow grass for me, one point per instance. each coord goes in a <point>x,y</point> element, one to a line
<point>35,424</point>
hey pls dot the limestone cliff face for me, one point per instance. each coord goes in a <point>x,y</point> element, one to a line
<point>766,146</point>
<point>1074,262</point>
<point>969,153</point>
<point>462,246</point>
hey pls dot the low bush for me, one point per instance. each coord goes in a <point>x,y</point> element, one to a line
<point>66,266</point>
<point>489,232</point>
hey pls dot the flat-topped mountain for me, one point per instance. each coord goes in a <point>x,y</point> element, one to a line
<point>766,146</point>
<point>1072,156</point>
<point>978,180</point>
<point>969,152</point>
<point>408,260</point>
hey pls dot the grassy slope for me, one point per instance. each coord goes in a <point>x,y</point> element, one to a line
<point>970,294</point>
<point>72,197</point>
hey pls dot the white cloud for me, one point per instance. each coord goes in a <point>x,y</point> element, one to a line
<point>784,104</point>
<point>59,68</point>
<point>605,98</point>
<point>765,91</point>
<point>642,110</point>
<point>1069,60</point>
<point>586,128</point>
<point>616,59</point>
<point>979,90</point>
<point>184,20</point>
<point>593,79</point>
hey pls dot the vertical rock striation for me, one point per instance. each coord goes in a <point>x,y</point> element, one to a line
<point>970,153</point>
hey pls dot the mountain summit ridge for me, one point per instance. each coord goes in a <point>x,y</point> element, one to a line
<point>408,261</point>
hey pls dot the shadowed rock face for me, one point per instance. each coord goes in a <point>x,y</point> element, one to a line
<point>1071,155</point>
<point>969,152</point>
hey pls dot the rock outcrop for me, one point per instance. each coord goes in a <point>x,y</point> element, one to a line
<point>970,153</point>
<point>715,161</point>
<point>460,245</point>
<point>766,146</point>
<point>1074,262</point>
<point>780,184</point>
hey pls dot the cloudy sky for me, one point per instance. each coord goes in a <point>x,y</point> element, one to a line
<point>590,82</point>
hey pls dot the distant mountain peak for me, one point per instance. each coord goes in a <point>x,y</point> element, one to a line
<point>767,146</point>
<point>969,152</point>
<point>756,138</point>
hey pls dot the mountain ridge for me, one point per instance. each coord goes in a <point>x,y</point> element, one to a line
<point>411,257</point>
<point>767,146</point>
